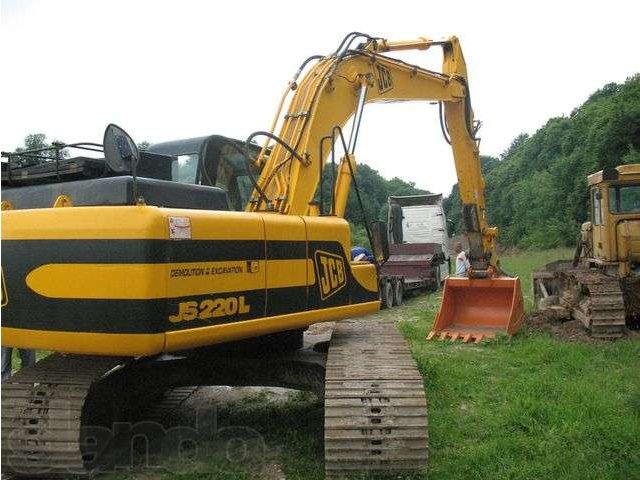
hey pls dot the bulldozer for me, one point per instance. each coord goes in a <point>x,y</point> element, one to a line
<point>203,261</point>
<point>600,286</point>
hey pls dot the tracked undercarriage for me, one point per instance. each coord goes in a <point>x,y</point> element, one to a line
<point>593,296</point>
<point>54,415</point>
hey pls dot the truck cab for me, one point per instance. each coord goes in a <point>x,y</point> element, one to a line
<point>418,253</point>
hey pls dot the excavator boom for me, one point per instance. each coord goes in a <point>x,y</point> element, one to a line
<point>336,89</point>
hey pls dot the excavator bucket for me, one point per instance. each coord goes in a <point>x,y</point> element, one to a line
<point>473,309</point>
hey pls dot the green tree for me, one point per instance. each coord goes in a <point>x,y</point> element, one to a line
<point>374,191</point>
<point>35,141</point>
<point>536,192</point>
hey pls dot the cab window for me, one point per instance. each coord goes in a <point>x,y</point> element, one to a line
<point>596,202</point>
<point>184,169</point>
<point>624,198</point>
<point>231,175</point>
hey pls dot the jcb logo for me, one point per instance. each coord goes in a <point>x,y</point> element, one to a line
<point>384,79</point>
<point>331,273</point>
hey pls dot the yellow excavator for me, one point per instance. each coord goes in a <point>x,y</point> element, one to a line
<point>203,261</point>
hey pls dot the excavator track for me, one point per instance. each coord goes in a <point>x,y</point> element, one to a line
<point>600,305</point>
<point>375,406</point>
<point>43,413</point>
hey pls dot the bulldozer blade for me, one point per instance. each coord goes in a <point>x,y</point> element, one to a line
<point>473,309</point>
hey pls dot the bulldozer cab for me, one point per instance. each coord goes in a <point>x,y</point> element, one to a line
<point>613,235</point>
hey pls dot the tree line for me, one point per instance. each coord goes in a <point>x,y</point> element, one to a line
<point>536,191</point>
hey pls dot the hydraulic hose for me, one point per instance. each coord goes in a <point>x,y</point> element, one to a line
<point>248,162</point>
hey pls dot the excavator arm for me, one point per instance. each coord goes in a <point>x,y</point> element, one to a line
<point>334,90</point>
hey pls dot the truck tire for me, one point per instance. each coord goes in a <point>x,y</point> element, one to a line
<point>398,292</point>
<point>386,294</point>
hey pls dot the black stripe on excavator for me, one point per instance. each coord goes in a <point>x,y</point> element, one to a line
<point>26,255</point>
<point>151,316</point>
<point>32,311</point>
<point>285,250</point>
<point>40,252</point>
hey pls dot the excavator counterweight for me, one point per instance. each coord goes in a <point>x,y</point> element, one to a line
<point>473,309</point>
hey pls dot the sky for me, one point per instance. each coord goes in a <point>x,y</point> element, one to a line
<point>165,70</point>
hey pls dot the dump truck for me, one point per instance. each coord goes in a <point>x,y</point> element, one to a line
<point>181,264</point>
<point>418,247</point>
<point>600,286</point>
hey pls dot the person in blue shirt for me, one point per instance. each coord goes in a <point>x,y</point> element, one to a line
<point>361,254</point>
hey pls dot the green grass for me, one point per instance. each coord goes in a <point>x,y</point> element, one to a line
<point>528,407</point>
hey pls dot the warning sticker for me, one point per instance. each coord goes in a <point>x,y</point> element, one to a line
<point>180,228</point>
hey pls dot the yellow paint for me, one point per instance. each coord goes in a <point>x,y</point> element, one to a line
<point>198,337</point>
<point>280,227</point>
<point>288,273</point>
<point>62,201</point>
<point>126,222</point>
<point>612,238</point>
<point>84,223</point>
<point>328,97</point>
<point>343,184</point>
<point>365,274</point>
<point>108,344</point>
<point>148,280</point>
<point>329,229</point>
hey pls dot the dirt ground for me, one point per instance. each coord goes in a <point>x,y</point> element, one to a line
<point>566,329</point>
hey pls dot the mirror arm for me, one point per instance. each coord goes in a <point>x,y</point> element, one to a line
<point>134,187</point>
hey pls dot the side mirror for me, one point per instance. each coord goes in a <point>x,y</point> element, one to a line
<point>451,228</point>
<point>380,241</point>
<point>121,154</point>
<point>395,223</point>
<point>120,151</point>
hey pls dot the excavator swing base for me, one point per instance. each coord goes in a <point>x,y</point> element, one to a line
<point>473,309</point>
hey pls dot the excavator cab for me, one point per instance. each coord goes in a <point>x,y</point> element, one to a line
<point>212,161</point>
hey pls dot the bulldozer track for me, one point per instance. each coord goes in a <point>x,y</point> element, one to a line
<point>375,406</point>
<point>601,307</point>
<point>42,415</point>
